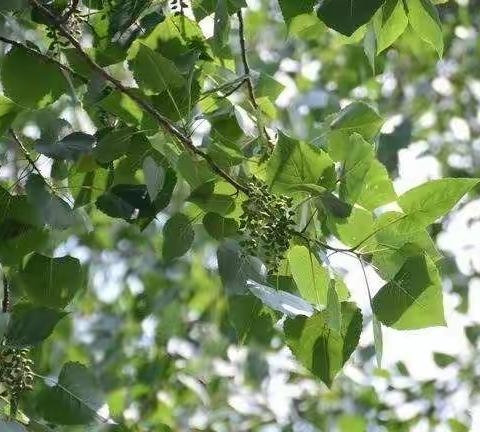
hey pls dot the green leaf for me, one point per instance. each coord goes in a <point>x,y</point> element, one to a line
<point>390,22</point>
<point>154,174</point>
<point>353,229</point>
<point>113,144</point>
<point>235,268</point>
<point>52,282</point>
<point>443,360</point>
<point>413,298</point>
<point>74,400</point>
<point>221,28</point>
<point>219,227</point>
<point>280,301</point>
<point>29,325</point>
<point>178,236</point>
<point>397,241</point>
<point>153,72</point>
<point>8,113</point>
<point>250,318</point>
<point>290,9</point>
<point>132,202</point>
<point>53,210</point>
<point>322,350</point>
<point>295,163</point>
<point>71,147</point>
<point>346,16</point>
<point>195,172</point>
<point>424,19</point>
<point>311,278</point>
<point>365,180</point>
<point>424,204</point>
<point>20,69</point>
<point>358,117</point>
<point>335,206</point>
<point>333,311</point>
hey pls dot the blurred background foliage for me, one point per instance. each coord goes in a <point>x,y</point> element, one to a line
<point>157,333</point>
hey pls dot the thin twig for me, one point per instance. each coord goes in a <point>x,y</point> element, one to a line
<point>44,57</point>
<point>248,77</point>
<point>160,118</point>
<point>30,160</point>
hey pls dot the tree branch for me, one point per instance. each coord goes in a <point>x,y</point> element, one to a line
<point>160,118</point>
<point>30,160</point>
<point>70,11</point>
<point>248,77</point>
<point>163,121</point>
<point>44,57</point>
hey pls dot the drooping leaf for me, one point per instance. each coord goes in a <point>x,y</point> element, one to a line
<point>113,144</point>
<point>153,72</point>
<point>322,350</point>
<point>346,16</point>
<point>221,29</point>
<point>390,22</point>
<point>53,210</point>
<point>291,9</point>
<point>154,175</point>
<point>52,282</point>
<point>333,311</point>
<point>424,19</point>
<point>8,112</point>
<point>280,301</point>
<point>70,147</point>
<point>357,117</point>
<point>311,278</point>
<point>424,204</point>
<point>178,236</point>
<point>29,325</point>
<point>220,227</point>
<point>20,69</point>
<point>413,298</point>
<point>236,268</point>
<point>294,163</point>
<point>250,318</point>
<point>74,400</point>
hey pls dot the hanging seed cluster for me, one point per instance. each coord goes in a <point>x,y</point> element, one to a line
<point>16,372</point>
<point>266,223</point>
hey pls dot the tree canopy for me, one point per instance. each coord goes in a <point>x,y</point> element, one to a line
<point>177,180</point>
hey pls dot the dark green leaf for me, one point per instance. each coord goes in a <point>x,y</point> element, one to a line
<point>20,69</point>
<point>178,236</point>
<point>321,349</point>
<point>346,16</point>
<point>74,400</point>
<point>52,282</point>
<point>413,298</point>
<point>30,325</point>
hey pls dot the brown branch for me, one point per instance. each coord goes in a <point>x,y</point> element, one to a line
<point>160,118</point>
<point>44,57</point>
<point>248,77</point>
<point>70,11</point>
